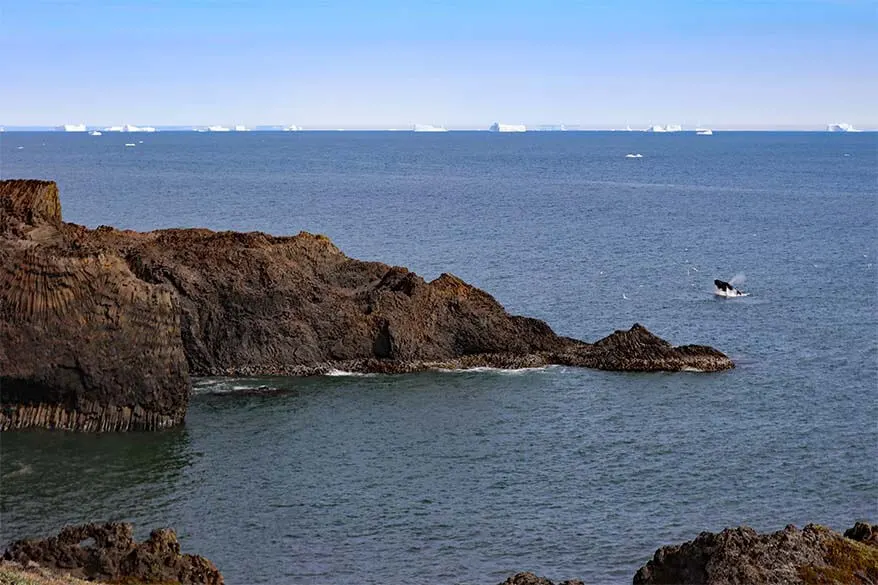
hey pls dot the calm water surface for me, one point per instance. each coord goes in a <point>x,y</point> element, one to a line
<point>467,477</point>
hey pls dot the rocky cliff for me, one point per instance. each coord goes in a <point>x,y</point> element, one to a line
<point>101,329</point>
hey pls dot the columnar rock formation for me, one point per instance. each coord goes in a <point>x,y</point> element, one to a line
<point>101,329</point>
<point>84,343</point>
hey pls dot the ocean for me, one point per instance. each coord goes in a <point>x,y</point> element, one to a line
<point>468,477</point>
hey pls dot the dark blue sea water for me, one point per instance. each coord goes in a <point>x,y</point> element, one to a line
<point>468,477</point>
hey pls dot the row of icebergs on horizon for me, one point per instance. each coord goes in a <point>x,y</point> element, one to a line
<point>495,127</point>
<point>122,128</point>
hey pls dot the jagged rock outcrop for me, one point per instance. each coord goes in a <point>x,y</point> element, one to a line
<point>108,552</point>
<point>101,329</point>
<point>814,555</point>
<point>531,579</point>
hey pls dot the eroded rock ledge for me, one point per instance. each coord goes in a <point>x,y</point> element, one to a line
<point>740,556</point>
<point>101,329</point>
<point>108,552</point>
<point>812,555</point>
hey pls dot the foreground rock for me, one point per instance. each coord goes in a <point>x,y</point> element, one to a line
<point>791,556</point>
<point>112,555</point>
<point>101,329</point>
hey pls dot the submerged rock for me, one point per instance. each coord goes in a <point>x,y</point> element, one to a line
<point>101,329</point>
<point>814,555</point>
<point>108,552</point>
<point>531,579</point>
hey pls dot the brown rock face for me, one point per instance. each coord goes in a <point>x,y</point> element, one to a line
<point>84,343</point>
<point>814,555</point>
<point>101,329</point>
<point>111,554</point>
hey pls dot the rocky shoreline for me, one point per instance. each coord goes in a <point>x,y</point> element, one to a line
<point>100,330</point>
<point>810,556</point>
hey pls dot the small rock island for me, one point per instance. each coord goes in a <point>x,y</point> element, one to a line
<point>101,329</point>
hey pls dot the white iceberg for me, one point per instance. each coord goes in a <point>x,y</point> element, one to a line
<point>634,155</point>
<point>668,128</point>
<point>703,132</point>
<point>498,127</point>
<point>292,128</point>
<point>95,133</point>
<point>427,128</point>
<point>129,128</point>
<point>72,128</point>
<point>241,128</point>
<point>218,128</point>
<point>841,127</point>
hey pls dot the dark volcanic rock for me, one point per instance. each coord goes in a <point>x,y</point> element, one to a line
<point>790,556</point>
<point>531,579</point>
<point>101,329</point>
<point>109,552</point>
<point>84,343</point>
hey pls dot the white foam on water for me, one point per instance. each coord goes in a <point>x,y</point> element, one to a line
<point>489,370</point>
<point>691,369</point>
<point>730,294</point>
<point>336,373</point>
<point>23,469</point>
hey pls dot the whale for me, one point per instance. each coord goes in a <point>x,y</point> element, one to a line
<point>726,290</point>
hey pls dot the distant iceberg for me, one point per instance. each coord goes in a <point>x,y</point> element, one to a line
<point>72,128</point>
<point>218,128</point>
<point>634,155</point>
<point>427,128</point>
<point>498,127</point>
<point>292,128</point>
<point>841,128</point>
<point>95,133</point>
<point>668,128</point>
<point>704,132</point>
<point>241,128</point>
<point>551,128</point>
<point>129,128</point>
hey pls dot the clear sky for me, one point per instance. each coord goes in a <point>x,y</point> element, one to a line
<point>458,63</point>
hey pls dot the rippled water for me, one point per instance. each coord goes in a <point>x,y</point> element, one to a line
<point>467,477</point>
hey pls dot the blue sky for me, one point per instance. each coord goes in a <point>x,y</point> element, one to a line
<point>392,63</point>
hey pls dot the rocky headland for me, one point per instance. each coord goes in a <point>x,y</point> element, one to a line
<point>101,329</point>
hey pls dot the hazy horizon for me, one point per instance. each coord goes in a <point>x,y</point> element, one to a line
<point>733,65</point>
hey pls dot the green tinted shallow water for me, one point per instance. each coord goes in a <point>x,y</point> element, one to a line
<point>468,477</point>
